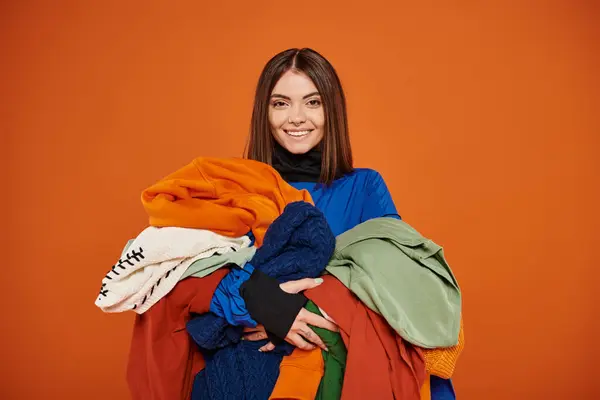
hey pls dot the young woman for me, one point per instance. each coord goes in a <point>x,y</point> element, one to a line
<point>300,127</point>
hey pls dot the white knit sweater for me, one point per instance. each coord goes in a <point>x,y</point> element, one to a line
<point>153,263</point>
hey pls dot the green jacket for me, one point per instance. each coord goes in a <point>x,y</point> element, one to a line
<point>404,277</point>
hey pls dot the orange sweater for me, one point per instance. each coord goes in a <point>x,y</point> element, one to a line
<point>442,361</point>
<point>229,196</point>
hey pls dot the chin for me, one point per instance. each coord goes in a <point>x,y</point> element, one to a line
<point>299,148</point>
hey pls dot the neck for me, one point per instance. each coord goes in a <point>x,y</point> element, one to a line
<point>297,167</point>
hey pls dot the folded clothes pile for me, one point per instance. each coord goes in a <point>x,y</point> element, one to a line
<point>223,234</point>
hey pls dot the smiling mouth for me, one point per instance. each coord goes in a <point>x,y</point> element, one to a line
<point>298,133</point>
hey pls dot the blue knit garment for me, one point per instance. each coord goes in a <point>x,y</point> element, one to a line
<point>298,244</point>
<point>245,373</point>
<point>299,237</point>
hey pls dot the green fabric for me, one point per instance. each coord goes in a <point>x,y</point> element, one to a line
<point>206,266</point>
<point>334,360</point>
<point>402,276</point>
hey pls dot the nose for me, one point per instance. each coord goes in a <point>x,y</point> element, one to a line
<point>297,116</point>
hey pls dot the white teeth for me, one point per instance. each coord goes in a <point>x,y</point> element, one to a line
<point>297,133</point>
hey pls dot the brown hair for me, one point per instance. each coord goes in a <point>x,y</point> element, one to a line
<point>337,153</point>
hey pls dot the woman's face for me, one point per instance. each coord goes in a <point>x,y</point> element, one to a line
<point>296,113</point>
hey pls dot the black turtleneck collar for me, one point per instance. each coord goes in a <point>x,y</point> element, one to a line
<point>297,167</point>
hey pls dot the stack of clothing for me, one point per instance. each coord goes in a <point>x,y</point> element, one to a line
<point>215,223</point>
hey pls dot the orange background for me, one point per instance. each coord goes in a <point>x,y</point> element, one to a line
<point>483,119</point>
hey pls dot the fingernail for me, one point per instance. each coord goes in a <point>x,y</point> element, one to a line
<point>260,350</point>
<point>326,349</point>
<point>318,281</point>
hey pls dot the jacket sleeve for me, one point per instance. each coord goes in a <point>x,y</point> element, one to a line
<point>378,202</point>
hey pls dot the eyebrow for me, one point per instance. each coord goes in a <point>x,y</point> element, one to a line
<point>288,98</point>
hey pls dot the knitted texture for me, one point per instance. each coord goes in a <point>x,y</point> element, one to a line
<point>297,245</point>
<point>246,374</point>
<point>154,261</point>
<point>300,243</point>
<point>442,361</point>
<point>212,332</point>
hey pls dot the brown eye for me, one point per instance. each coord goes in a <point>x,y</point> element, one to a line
<point>278,104</point>
<point>314,103</point>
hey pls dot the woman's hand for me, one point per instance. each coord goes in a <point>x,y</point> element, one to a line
<point>300,334</point>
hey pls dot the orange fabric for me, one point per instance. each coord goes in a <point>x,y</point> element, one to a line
<point>229,196</point>
<point>441,362</point>
<point>426,389</point>
<point>380,364</point>
<point>300,376</point>
<point>163,360</point>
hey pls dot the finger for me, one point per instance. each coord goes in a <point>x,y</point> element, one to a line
<point>257,328</point>
<point>298,341</point>
<point>255,336</point>
<point>300,285</point>
<point>267,347</point>
<point>316,320</point>
<point>311,337</point>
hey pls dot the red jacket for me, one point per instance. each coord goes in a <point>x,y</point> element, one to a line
<point>380,364</point>
<point>163,359</point>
